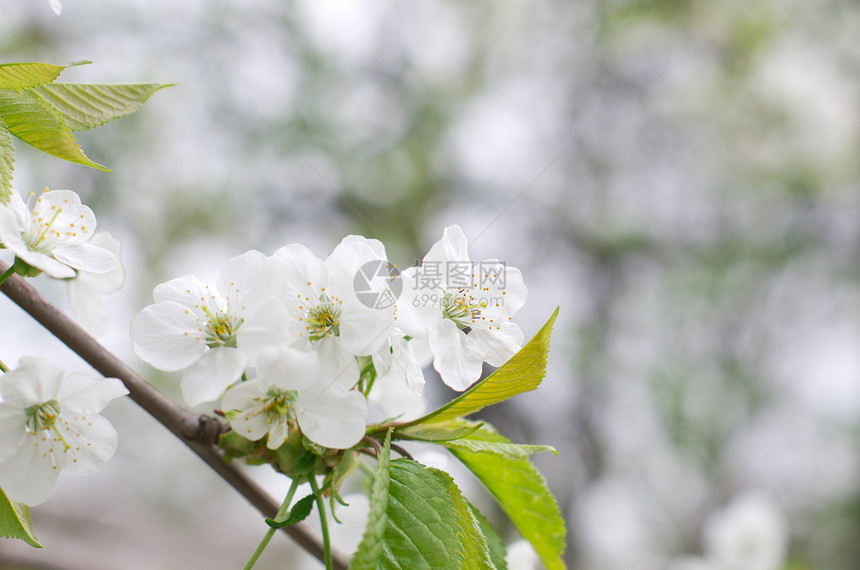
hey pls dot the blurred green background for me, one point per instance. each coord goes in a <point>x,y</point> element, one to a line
<point>681,176</point>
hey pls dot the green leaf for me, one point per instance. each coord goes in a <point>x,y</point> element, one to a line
<point>474,554</point>
<point>306,463</point>
<point>15,521</point>
<point>7,163</point>
<point>498,552</point>
<point>23,75</point>
<point>87,106</point>
<point>36,122</point>
<point>423,526</point>
<point>437,432</point>
<point>507,450</point>
<point>298,513</point>
<point>370,548</point>
<point>522,493</point>
<point>520,374</point>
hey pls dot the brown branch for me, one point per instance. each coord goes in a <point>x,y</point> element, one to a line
<point>197,431</point>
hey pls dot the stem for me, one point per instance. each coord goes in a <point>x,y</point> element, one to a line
<point>271,532</point>
<point>323,521</point>
<point>3,367</point>
<point>7,274</point>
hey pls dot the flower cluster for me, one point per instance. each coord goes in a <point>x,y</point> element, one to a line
<point>294,342</point>
<point>56,235</point>
<point>51,423</point>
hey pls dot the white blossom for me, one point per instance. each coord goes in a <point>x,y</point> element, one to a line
<point>463,309</point>
<point>213,335</point>
<point>87,289</point>
<point>291,391</point>
<point>52,235</point>
<point>49,424</point>
<point>399,385</point>
<point>325,315</point>
<point>748,534</point>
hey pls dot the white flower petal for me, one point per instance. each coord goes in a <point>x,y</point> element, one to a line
<point>206,379</point>
<point>244,396</point>
<point>289,369</point>
<point>499,344</point>
<point>12,429</point>
<point>332,416</point>
<point>456,356</point>
<point>87,289</point>
<point>167,336</point>
<point>10,227</point>
<point>70,220</point>
<point>34,381</point>
<point>87,395</point>
<point>30,475</point>
<point>336,363</point>
<point>87,305</point>
<point>277,434</point>
<point>113,279</point>
<point>85,257</point>
<point>453,247</point>
<point>92,441</point>
<point>383,358</point>
<point>264,328</point>
<point>393,393</point>
<point>348,257</point>
<point>251,423</point>
<point>303,272</point>
<point>363,330</point>
<point>249,279</point>
<point>187,291</point>
<point>44,262</point>
<point>247,398</point>
<point>515,290</point>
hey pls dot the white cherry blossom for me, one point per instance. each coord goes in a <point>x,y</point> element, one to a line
<point>291,391</point>
<point>52,236</point>
<point>399,386</point>
<point>51,423</point>
<point>87,289</point>
<point>747,534</point>
<point>325,315</point>
<point>213,335</point>
<point>463,309</point>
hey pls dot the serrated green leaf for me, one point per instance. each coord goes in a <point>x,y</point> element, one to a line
<point>438,432</point>
<point>474,554</point>
<point>15,521</point>
<point>37,123</point>
<point>522,493</point>
<point>498,552</point>
<point>370,548</point>
<point>423,527</point>
<point>23,75</point>
<point>298,513</point>
<point>520,374</point>
<point>7,163</point>
<point>508,450</point>
<point>87,106</point>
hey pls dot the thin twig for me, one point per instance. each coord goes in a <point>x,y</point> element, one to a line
<point>197,431</point>
<point>402,451</point>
